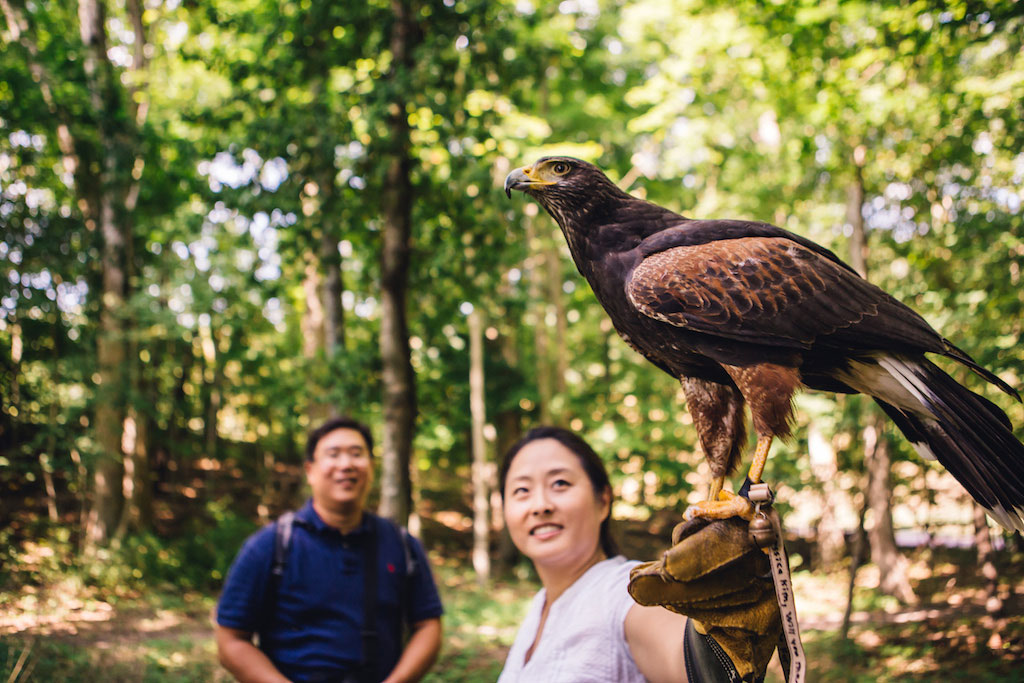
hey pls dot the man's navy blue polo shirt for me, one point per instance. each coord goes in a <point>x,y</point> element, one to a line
<point>314,628</point>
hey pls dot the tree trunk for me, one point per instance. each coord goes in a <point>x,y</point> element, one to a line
<point>539,282</point>
<point>509,431</point>
<point>481,474</point>
<point>106,181</point>
<point>313,317</point>
<point>330,293</point>
<point>556,303</point>
<point>856,557</point>
<point>322,322</point>
<point>137,484</point>
<point>986,554</point>
<point>104,513</point>
<point>855,217</point>
<point>137,513</point>
<point>12,397</point>
<point>177,426</point>
<point>141,501</point>
<point>892,565</point>
<point>133,444</point>
<point>46,457</point>
<point>313,342</point>
<point>330,257</point>
<point>536,271</point>
<point>46,466</point>
<point>830,544</point>
<point>399,388</point>
<point>334,320</point>
<point>212,386</point>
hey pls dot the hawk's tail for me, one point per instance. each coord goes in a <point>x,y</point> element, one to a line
<point>966,433</point>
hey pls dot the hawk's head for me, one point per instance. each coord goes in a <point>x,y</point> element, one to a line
<point>547,174</point>
<point>566,187</point>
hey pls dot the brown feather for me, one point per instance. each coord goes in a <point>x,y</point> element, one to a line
<point>769,389</point>
<point>739,287</point>
<point>717,411</point>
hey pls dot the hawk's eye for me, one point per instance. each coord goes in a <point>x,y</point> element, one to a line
<point>560,167</point>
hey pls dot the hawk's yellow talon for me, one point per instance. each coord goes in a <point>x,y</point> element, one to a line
<point>727,505</point>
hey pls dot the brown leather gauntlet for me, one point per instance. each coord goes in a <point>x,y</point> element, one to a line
<point>716,575</point>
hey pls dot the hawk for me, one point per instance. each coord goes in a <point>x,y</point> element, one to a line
<point>745,314</point>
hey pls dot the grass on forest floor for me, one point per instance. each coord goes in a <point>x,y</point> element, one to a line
<point>480,623</point>
<point>67,632</point>
<point>62,630</point>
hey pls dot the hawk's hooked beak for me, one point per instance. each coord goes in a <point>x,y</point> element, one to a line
<point>523,179</point>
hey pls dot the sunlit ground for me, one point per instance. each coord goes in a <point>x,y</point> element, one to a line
<point>60,629</point>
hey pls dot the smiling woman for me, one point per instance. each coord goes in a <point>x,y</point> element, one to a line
<point>556,510</point>
<point>582,625</point>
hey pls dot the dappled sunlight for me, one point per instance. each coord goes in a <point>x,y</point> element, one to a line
<point>454,520</point>
<point>58,614</point>
<point>868,639</point>
<point>163,620</point>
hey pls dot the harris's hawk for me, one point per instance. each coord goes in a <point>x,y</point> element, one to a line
<point>745,313</point>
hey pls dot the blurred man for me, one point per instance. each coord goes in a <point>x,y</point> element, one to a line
<point>329,587</point>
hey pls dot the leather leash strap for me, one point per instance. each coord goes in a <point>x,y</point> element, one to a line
<point>761,495</point>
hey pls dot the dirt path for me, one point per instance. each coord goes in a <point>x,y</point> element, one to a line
<point>66,613</point>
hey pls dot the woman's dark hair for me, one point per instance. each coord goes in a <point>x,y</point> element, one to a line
<point>342,422</point>
<point>591,463</point>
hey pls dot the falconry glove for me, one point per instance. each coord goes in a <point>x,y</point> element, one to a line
<point>717,576</point>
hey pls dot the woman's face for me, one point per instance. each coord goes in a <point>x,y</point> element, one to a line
<point>552,512</point>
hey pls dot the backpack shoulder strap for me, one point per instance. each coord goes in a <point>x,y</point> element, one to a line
<point>369,634</point>
<point>410,556</point>
<point>282,539</point>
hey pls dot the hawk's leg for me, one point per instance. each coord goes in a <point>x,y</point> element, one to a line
<point>717,411</point>
<point>764,443</point>
<point>716,487</point>
<point>768,389</point>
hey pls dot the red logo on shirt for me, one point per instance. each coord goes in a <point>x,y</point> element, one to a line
<point>391,568</point>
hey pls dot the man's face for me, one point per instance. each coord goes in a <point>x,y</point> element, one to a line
<point>341,472</point>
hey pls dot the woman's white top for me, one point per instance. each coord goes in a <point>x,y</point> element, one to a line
<point>584,637</point>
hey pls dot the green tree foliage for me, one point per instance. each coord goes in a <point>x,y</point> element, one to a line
<point>261,163</point>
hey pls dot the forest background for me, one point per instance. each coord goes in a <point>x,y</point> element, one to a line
<point>222,221</point>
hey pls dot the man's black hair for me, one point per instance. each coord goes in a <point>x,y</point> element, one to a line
<point>342,422</point>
